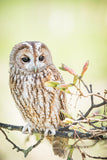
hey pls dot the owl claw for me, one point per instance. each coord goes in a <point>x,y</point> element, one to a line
<point>50,132</point>
<point>27,129</point>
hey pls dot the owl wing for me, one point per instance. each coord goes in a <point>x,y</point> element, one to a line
<point>63,101</point>
<point>63,104</point>
<point>56,76</point>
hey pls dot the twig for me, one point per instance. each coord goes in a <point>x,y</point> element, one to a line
<point>90,119</point>
<point>75,143</point>
<point>25,152</point>
<point>90,94</point>
<point>92,99</point>
<point>95,157</point>
<point>97,95</point>
<point>85,85</point>
<point>11,127</point>
<point>95,115</point>
<point>82,153</point>
<point>91,108</point>
<point>89,146</point>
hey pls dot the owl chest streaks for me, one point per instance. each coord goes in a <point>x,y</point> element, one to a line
<point>40,105</point>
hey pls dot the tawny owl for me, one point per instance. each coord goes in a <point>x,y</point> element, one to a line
<point>30,67</point>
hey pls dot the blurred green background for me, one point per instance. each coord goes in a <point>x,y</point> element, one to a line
<point>74,31</point>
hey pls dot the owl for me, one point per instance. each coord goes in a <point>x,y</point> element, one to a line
<point>31,67</point>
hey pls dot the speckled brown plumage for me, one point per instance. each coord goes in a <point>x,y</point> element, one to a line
<point>30,67</point>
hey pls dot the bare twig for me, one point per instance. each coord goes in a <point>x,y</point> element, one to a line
<point>96,95</point>
<point>100,115</point>
<point>87,146</point>
<point>25,152</point>
<point>90,94</point>
<point>92,98</point>
<point>90,119</point>
<point>95,157</point>
<point>82,153</point>
<point>91,108</point>
<point>85,85</point>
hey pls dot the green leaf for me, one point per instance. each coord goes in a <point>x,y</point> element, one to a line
<point>65,87</point>
<point>66,114</point>
<point>27,139</point>
<point>85,67</point>
<point>70,154</point>
<point>38,136</point>
<point>66,68</point>
<point>75,79</point>
<point>105,91</point>
<point>62,68</point>
<point>52,84</point>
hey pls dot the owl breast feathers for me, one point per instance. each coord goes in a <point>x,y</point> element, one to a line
<point>30,67</point>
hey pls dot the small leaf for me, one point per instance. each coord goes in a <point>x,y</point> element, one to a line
<point>67,91</point>
<point>38,136</point>
<point>62,67</point>
<point>70,154</point>
<point>65,68</point>
<point>68,120</point>
<point>105,91</point>
<point>64,86</point>
<point>52,84</point>
<point>27,139</point>
<point>85,67</point>
<point>75,79</point>
<point>66,114</point>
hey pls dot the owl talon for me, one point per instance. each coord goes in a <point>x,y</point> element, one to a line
<point>27,129</point>
<point>50,132</point>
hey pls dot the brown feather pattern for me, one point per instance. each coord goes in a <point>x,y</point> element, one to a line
<point>40,105</point>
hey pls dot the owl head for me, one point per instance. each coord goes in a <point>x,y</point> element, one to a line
<point>30,56</point>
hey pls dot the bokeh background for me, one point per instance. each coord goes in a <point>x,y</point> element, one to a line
<point>74,31</point>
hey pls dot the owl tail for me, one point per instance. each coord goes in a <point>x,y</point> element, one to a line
<point>60,146</point>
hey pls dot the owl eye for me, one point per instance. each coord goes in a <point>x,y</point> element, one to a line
<point>41,58</point>
<point>26,59</point>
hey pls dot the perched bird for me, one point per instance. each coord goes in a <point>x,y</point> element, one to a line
<point>30,67</point>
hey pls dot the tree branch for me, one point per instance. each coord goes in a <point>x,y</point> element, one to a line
<point>91,108</point>
<point>24,151</point>
<point>95,157</point>
<point>65,133</point>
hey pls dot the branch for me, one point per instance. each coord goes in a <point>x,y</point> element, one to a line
<point>11,127</point>
<point>59,133</point>
<point>83,155</point>
<point>25,152</point>
<point>91,108</point>
<point>95,157</point>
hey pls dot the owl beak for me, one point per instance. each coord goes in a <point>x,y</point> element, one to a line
<point>35,69</point>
